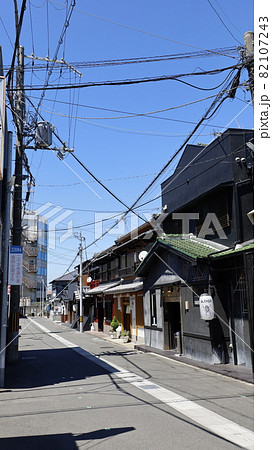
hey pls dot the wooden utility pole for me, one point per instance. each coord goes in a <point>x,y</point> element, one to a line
<point>13,327</point>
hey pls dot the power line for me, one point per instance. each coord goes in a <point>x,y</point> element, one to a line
<point>137,60</point>
<point>229,91</point>
<point>136,29</point>
<point>127,112</point>
<point>131,115</point>
<point>131,81</point>
<point>221,20</point>
<point>60,41</point>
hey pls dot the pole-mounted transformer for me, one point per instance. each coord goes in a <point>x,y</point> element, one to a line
<point>43,134</point>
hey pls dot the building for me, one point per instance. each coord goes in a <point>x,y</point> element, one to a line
<point>207,248</point>
<point>210,193</point>
<point>111,288</point>
<point>34,241</point>
<point>63,295</point>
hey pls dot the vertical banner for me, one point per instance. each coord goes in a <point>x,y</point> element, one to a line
<point>2,122</point>
<point>15,265</point>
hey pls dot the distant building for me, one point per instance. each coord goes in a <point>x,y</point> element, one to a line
<point>34,241</point>
<point>62,296</point>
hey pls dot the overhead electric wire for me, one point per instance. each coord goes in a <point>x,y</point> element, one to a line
<point>65,26</point>
<point>105,187</point>
<point>9,74</point>
<point>135,29</point>
<point>129,81</point>
<point>221,20</point>
<point>149,114</point>
<point>171,108</point>
<point>137,60</point>
<point>189,165</point>
<point>228,92</point>
<point>92,175</point>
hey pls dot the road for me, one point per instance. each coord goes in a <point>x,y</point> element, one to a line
<point>76,391</point>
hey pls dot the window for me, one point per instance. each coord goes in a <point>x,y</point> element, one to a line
<point>153,309</point>
<point>114,269</point>
<point>127,264</point>
<point>103,275</point>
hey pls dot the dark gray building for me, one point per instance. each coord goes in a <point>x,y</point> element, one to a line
<point>207,247</point>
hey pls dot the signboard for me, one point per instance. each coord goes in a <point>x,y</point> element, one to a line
<point>206,307</point>
<point>2,122</point>
<point>15,265</point>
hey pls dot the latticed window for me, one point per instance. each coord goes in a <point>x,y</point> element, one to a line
<point>114,269</point>
<point>103,273</point>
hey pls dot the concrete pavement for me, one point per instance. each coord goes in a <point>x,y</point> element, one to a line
<point>55,398</point>
<point>241,373</point>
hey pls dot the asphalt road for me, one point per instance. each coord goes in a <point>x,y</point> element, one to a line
<point>76,391</point>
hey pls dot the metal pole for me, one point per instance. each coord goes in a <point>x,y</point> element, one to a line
<point>80,286</point>
<point>42,296</point>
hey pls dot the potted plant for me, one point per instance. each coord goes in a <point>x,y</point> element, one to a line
<point>114,325</point>
<point>124,336</point>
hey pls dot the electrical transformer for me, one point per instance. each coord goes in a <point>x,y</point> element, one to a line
<point>43,134</point>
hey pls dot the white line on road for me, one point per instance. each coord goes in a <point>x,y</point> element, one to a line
<point>211,421</point>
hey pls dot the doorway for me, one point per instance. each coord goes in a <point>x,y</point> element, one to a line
<point>126,314</point>
<point>172,325</point>
<point>100,315</point>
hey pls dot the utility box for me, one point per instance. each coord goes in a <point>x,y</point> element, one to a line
<point>43,134</point>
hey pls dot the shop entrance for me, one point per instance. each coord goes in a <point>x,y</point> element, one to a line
<point>172,326</point>
<point>126,315</point>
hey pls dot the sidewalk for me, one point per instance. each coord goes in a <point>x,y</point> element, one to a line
<point>241,373</point>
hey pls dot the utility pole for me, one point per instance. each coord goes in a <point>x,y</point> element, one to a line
<point>249,53</point>
<point>80,250</point>
<point>6,236</point>
<point>12,349</point>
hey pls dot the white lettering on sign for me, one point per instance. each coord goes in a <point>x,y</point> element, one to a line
<point>15,265</point>
<point>206,307</point>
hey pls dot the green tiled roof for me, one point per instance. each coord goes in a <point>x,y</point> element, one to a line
<point>191,247</point>
<point>234,251</point>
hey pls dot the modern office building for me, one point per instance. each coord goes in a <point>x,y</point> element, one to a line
<point>34,241</point>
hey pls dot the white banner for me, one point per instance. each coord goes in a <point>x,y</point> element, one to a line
<point>15,265</point>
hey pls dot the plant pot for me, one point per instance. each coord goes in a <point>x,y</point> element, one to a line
<point>113,334</point>
<point>124,339</point>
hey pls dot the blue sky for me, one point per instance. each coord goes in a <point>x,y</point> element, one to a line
<point>125,153</point>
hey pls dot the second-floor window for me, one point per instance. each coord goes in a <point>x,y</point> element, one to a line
<point>114,269</point>
<point>127,264</point>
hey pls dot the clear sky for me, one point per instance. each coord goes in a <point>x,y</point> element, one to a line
<point>108,126</point>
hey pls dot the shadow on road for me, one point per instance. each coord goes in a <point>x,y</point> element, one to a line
<point>58,441</point>
<point>36,368</point>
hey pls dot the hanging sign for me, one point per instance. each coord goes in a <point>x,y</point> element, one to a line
<point>2,122</point>
<point>15,265</point>
<point>206,307</point>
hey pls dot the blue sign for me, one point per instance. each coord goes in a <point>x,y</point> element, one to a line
<point>16,249</point>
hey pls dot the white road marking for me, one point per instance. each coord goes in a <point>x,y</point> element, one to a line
<point>211,421</point>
